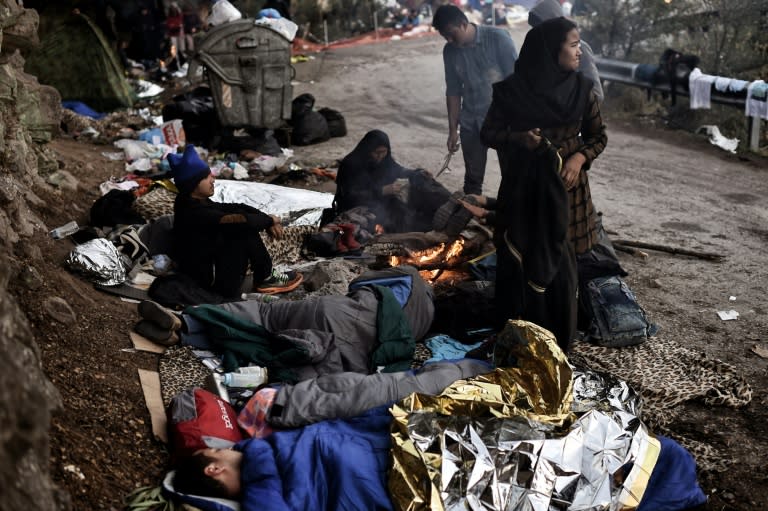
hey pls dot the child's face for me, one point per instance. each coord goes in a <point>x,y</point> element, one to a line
<point>225,468</point>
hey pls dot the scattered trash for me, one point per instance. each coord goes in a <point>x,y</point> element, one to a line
<point>113,156</point>
<point>90,132</point>
<point>74,470</point>
<point>65,230</point>
<point>728,315</point>
<point>717,138</point>
<point>760,351</point>
<point>239,172</point>
<point>145,89</point>
<point>732,298</point>
<point>139,165</point>
<point>223,12</point>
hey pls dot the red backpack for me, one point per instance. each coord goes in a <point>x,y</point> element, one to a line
<point>198,419</point>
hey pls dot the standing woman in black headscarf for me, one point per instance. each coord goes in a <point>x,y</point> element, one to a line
<point>545,122</point>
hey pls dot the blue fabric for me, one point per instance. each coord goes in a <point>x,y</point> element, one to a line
<point>444,347</point>
<point>149,135</point>
<point>673,485</point>
<point>484,267</point>
<point>332,465</point>
<point>81,108</point>
<point>269,13</point>
<point>401,287</point>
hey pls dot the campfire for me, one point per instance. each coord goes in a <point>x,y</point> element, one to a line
<point>444,255</point>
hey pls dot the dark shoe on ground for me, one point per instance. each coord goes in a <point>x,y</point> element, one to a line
<point>280,282</point>
<point>155,333</point>
<point>159,315</point>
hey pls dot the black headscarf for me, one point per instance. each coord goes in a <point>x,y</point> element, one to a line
<point>540,94</point>
<point>360,177</point>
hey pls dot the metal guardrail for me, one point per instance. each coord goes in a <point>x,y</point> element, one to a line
<point>626,72</point>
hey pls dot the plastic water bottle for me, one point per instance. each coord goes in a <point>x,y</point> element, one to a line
<point>246,378</point>
<point>64,231</point>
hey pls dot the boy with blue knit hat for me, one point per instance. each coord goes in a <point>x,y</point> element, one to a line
<point>216,243</point>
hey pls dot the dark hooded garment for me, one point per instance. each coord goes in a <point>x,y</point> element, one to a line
<point>538,222</point>
<point>548,9</point>
<point>360,180</point>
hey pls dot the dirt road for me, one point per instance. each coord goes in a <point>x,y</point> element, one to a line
<point>652,185</point>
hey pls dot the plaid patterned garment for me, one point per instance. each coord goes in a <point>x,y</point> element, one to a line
<point>587,137</point>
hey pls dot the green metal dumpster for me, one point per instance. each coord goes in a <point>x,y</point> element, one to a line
<point>249,71</point>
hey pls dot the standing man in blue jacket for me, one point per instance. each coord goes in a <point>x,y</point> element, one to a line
<point>475,57</point>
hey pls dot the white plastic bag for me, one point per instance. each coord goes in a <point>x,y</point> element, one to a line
<point>286,27</point>
<point>223,12</point>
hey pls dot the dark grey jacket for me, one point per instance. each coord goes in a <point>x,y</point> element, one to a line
<point>350,394</point>
<point>339,331</point>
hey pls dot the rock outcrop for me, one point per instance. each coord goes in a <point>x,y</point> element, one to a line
<point>29,116</point>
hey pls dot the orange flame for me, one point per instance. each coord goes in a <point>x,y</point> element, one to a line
<point>379,229</point>
<point>441,254</point>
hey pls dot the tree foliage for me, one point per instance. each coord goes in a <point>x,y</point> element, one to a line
<point>730,36</point>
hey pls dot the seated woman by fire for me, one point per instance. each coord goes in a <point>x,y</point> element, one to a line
<point>382,196</point>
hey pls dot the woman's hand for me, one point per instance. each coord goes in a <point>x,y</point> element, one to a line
<point>391,189</point>
<point>276,230</point>
<point>531,139</point>
<point>476,211</point>
<point>571,169</point>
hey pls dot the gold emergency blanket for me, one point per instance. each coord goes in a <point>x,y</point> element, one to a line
<point>534,437</point>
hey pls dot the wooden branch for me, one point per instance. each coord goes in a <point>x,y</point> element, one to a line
<point>630,250</point>
<point>709,256</point>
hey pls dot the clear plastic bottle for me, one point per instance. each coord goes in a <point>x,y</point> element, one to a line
<point>64,230</point>
<point>252,378</point>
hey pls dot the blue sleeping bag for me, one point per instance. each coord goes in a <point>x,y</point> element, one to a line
<point>673,485</point>
<point>331,465</point>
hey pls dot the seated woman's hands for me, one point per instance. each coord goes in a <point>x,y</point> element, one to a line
<point>477,211</point>
<point>392,188</point>
<point>276,231</point>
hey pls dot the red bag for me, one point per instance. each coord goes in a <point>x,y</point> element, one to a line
<point>198,419</point>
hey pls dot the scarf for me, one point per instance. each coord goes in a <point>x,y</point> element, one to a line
<point>540,94</point>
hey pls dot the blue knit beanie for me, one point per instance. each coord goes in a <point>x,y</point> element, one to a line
<point>188,169</point>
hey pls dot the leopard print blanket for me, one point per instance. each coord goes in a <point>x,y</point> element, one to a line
<point>667,374</point>
<point>159,202</point>
<point>179,370</point>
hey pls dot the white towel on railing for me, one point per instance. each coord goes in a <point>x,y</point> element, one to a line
<point>757,100</point>
<point>700,88</point>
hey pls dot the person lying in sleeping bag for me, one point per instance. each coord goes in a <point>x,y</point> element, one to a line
<point>326,464</point>
<point>338,464</point>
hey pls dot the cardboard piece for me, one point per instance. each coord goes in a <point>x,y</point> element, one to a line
<point>141,343</point>
<point>150,385</point>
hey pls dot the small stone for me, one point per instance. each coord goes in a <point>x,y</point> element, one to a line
<point>654,283</point>
<point>30,278</point>
<point>59,310</point>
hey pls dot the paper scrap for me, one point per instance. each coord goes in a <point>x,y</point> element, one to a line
<point>728,315</point>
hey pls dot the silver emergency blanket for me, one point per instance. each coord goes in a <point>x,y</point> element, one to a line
<point>523,438</point>
<point>98,260</point>
<point>294,205</point>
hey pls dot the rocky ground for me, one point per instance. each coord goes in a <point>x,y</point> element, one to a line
<point>652,184</point>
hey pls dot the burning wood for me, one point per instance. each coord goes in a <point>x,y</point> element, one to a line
<point>441,256</point>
